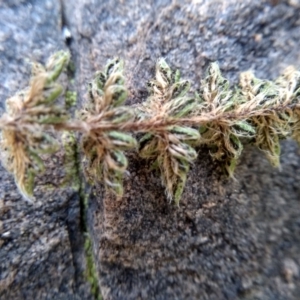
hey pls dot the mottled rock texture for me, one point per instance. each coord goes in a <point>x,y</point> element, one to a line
<point>228,239</point>
<point>41,248</point>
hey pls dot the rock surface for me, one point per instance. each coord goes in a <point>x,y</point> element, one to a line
<point>41,249</point>
<point>228,239</point>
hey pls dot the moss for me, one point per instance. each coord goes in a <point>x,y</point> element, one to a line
<point>71,161</point>
<point>70,99</point>
<point>91,272</point>
<point>71,68</point>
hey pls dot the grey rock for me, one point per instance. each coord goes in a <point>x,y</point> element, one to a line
<point>228,239</point>
<point>41,249</point>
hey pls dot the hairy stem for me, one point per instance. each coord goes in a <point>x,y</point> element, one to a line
<point>159,123</point>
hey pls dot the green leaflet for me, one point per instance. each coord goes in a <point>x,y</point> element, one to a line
<point>121,140</point>
<point>183,133</point>
<point>176,76</point>
<point>116,160</point>
<point>180,88</point>
<point>181,169</point>
<point>27,184</point>
<point>165,70</point>
<point>148,146</point>
<point>38,165</point>
<point>230,166</point>
<point>116,95</point>
<point>243,128</point>
<point>200,100</point>
<point>42,143</point>
<point>181,107</point>
<point>54,117</point>
<point>269,144</point>
<point>50,95</point>
<point>235,147</point>
<point>100,80</point>
<point>119,115</point>
<point>56,64</point>
<point>181,179</point>
<point>182,151</point>
<point>113,66</point>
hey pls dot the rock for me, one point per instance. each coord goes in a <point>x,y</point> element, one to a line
<point>41,248</point>
<point>146,248</point>
<point>228,239</point>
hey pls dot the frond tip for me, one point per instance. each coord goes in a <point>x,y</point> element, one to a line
<point>29,114</point>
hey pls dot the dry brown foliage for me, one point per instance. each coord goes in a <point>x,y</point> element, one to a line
<point>171,123</point>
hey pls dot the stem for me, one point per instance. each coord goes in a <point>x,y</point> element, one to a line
<point>157,124</point>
